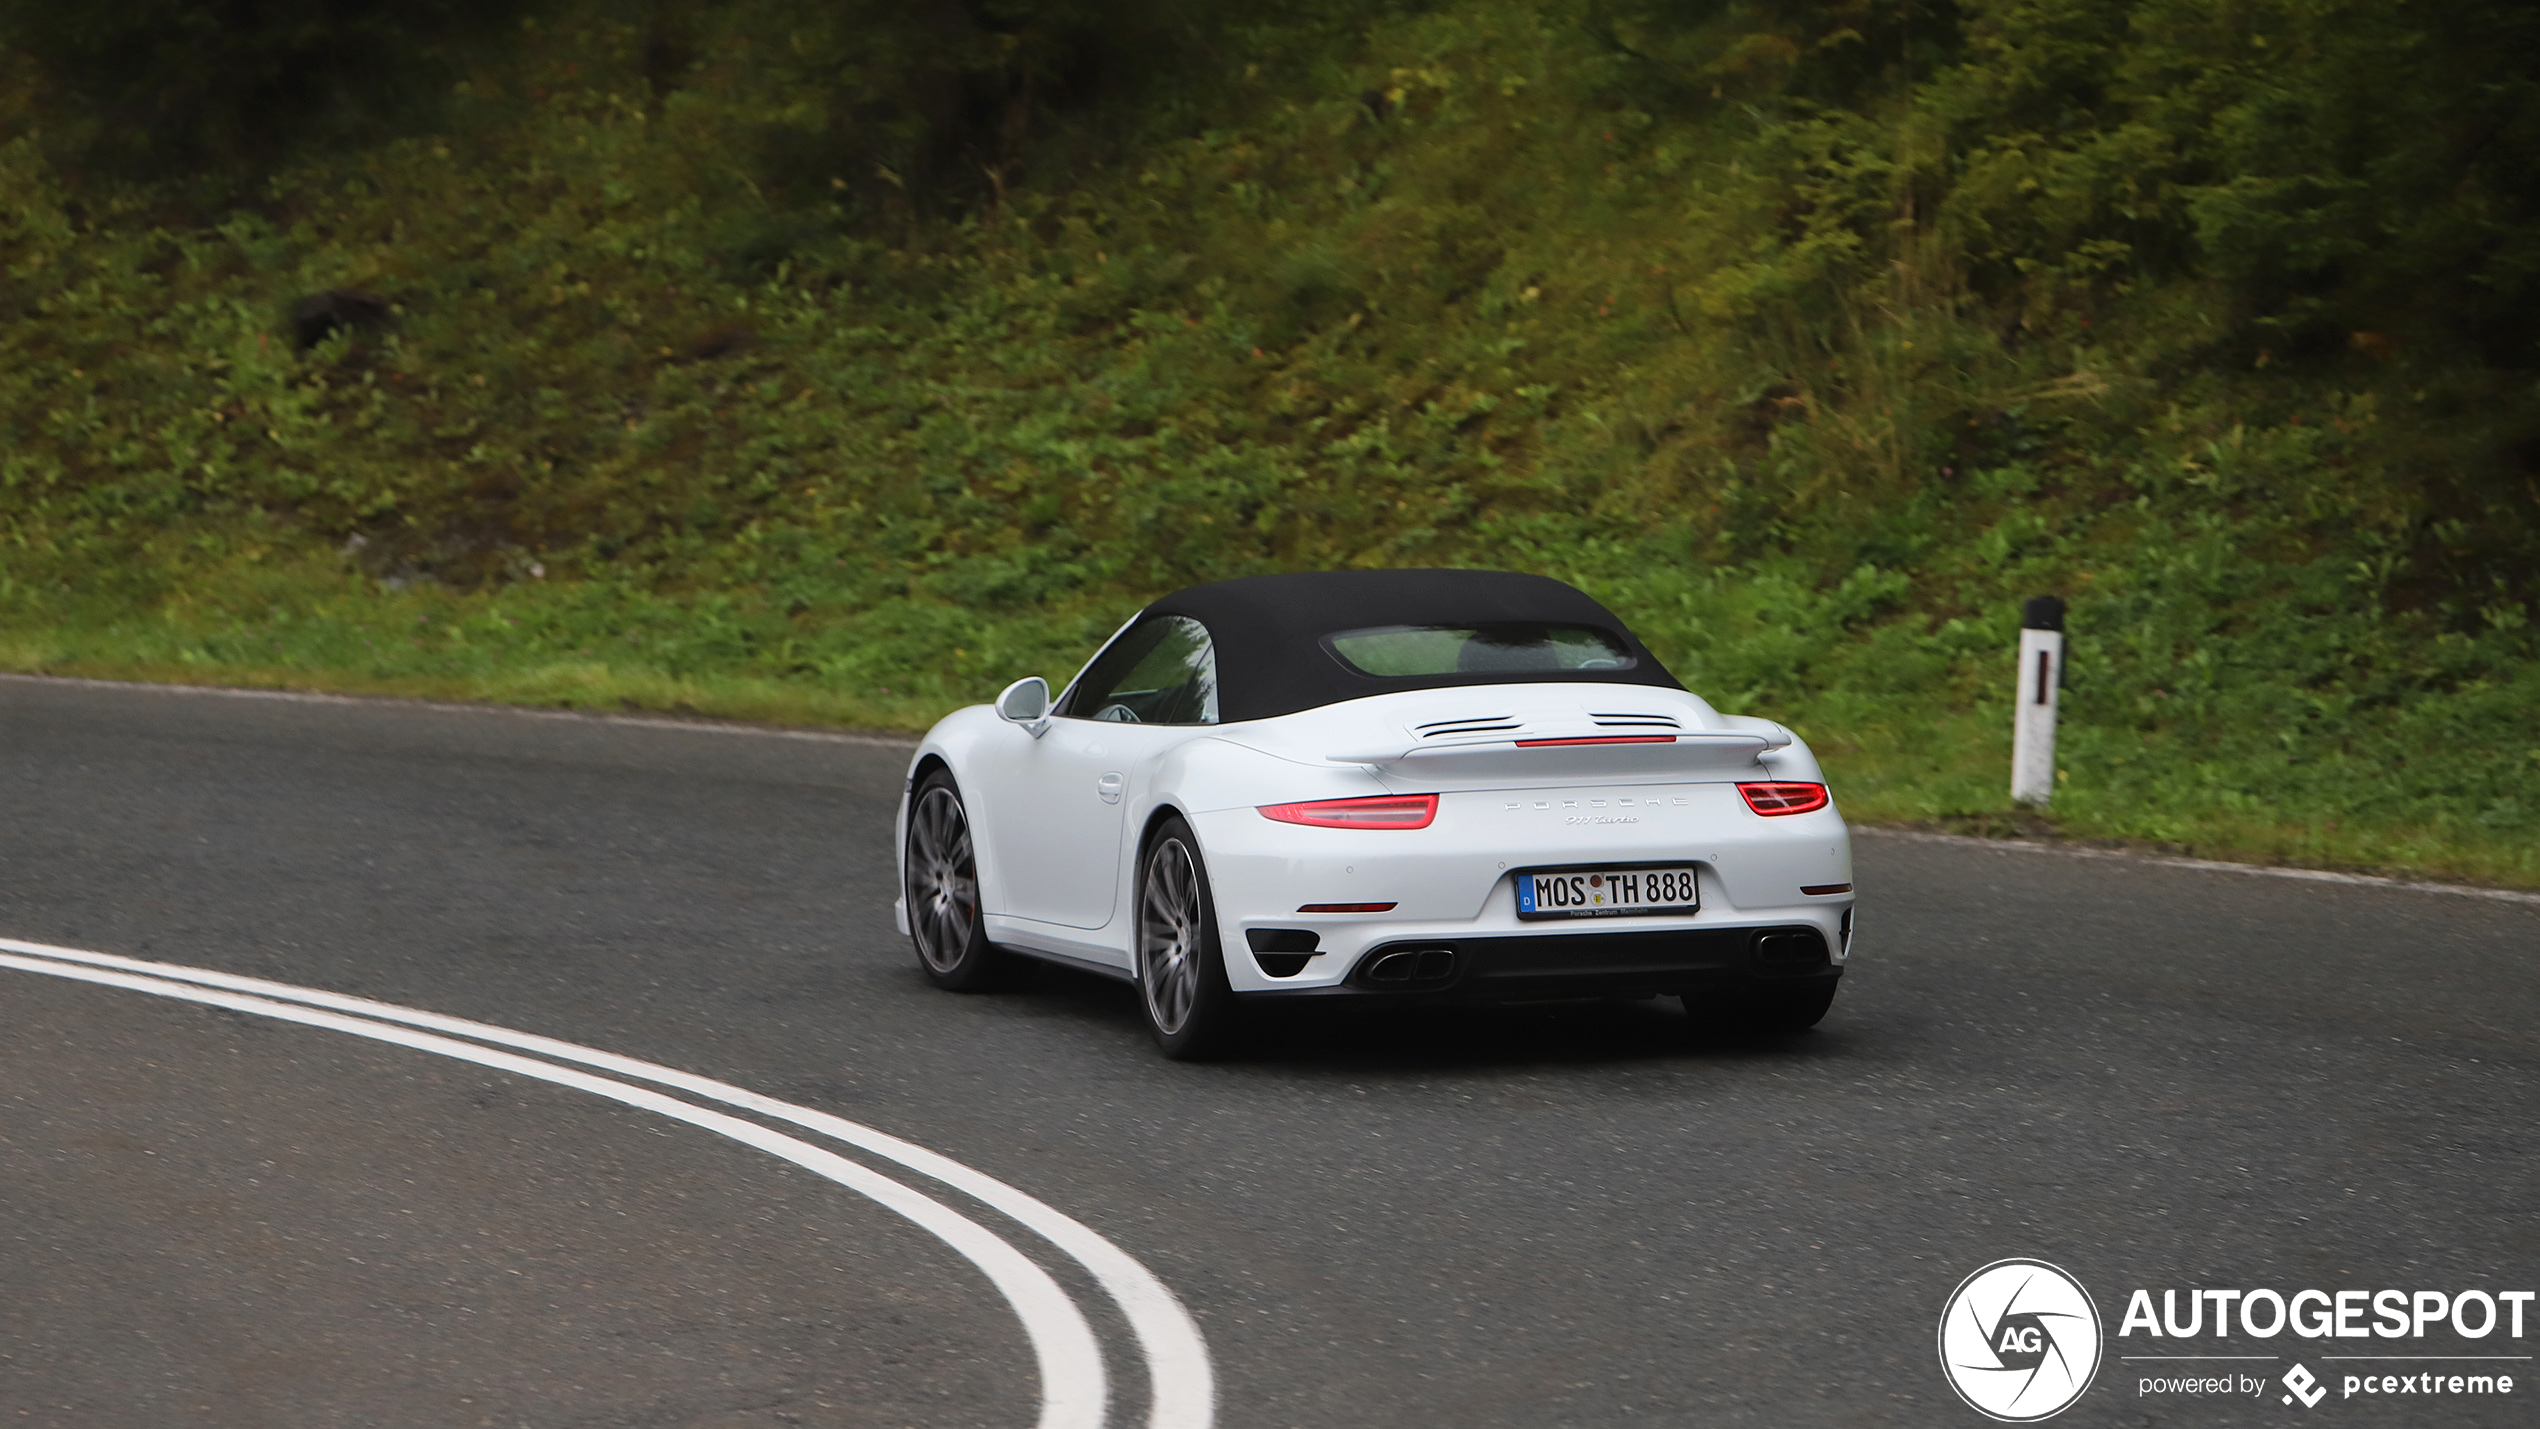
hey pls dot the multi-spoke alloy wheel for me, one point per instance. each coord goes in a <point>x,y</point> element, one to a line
<point>1168,936</point>
<point>1180,976</point>
<point>943,889</point>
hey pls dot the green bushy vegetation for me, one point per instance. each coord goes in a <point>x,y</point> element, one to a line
<point>840,363</point>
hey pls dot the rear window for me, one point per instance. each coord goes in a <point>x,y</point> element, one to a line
<point>1425,650</point>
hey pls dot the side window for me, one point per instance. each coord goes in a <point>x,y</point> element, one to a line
<point>1162,672</point>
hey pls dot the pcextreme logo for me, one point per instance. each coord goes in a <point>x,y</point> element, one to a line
<point>2019,1340</point>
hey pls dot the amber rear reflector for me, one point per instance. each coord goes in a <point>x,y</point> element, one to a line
<point>1598,739</point>
<point>1820,890</point>
<point>1346,908</point>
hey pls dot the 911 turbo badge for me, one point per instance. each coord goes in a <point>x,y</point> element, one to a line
<point>1560,804</point>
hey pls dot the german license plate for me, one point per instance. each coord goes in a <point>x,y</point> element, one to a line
<point>1605,892</point>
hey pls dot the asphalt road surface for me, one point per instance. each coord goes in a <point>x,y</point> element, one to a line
<point>2154,1077</point>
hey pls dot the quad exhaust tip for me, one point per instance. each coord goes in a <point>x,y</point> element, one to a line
<point>1790,950</point>
<point>1411,967</point>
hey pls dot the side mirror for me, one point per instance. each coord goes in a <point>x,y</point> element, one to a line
<point>1026,702</point>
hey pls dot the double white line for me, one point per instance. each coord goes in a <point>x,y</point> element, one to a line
<point>1074,1391</point>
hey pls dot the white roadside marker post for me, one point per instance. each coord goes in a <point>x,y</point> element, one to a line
<point>2041,675</point>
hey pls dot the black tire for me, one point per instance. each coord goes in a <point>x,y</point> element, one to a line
<point>1761,1009</point>
<point>942,888</point>
<point>1181,966</point>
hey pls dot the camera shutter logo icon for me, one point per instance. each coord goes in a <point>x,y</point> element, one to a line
<point>2020,1341</point>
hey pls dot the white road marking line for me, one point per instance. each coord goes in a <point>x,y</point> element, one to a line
<point>1182,1384</point>
<point>2206,865</point>
<point>1073,1392</point>
<point>393,702</point>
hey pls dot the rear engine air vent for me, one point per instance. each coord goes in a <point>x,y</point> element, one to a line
<point>1478,724</point>
<point>1282,952</point>
<point>1636,721</point>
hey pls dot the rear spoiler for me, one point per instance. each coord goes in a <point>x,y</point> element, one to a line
<point>1693,749</point>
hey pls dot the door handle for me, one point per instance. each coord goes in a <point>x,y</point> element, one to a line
<point>1109,787</point>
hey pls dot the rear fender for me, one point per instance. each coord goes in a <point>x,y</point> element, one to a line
<point>1207,775</point>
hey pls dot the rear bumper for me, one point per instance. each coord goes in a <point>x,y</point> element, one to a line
<point>1451,886</point>
<point>1569,965</point>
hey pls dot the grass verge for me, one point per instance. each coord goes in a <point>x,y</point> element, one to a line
<point>1904,750</point>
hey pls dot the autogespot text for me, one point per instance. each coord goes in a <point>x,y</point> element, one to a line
<point>2322,1314</point>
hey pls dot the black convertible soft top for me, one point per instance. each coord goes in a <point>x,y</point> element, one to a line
<point>1269,632</point>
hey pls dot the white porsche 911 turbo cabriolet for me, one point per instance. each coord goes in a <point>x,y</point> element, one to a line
<point>1416,785</point>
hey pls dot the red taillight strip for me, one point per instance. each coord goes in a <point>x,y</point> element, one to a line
<point>1823,890</point>
<point>1775,799</point>
<point>1347,907</point>
<point>1598,739</point>
<point>1392,811</point>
